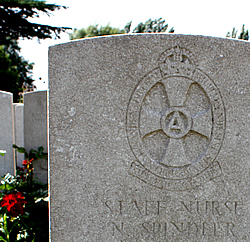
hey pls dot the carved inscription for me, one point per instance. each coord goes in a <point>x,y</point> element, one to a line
<point>169,229</point>
<point>164,207</point>
<point>152,219</point>
<point>175,124</point>
<point>38,118</point>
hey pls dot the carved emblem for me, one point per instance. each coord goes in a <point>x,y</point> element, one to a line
<point>175,124</point>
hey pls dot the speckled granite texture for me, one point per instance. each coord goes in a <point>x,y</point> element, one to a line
<point>149,139</point>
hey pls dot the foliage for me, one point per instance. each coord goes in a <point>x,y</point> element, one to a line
<point>24,203</point>
<point>244,35</point>
<point>232,34</point>
<point>94,30</point>
<point>29,158</point>
<point>2,152</point>
<point>14,70</point>
<point>14,24</point>
<point>150,26</point>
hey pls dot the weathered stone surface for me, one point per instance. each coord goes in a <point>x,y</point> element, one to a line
<point>18,131</point>
<point>35,129</point>
<point>149,139</point>
<point>6,133</point>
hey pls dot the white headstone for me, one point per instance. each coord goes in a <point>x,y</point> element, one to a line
<point>6,133</point>
<point>18,131</point>
<point>35,129</point>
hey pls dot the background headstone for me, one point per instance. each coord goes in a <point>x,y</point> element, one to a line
<point>149,139</point>
<point>18,131</point>
<point>6,133</point>
<point>35,129</point>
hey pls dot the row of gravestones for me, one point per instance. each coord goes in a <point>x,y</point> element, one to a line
<point>26,126</point>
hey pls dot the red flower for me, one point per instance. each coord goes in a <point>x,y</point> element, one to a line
<point>14,203</point>
<point>25,162</point>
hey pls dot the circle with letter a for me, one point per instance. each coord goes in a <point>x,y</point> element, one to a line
<point>176,122</point>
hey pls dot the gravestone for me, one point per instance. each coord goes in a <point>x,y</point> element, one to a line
<point>149,139</point>
<point>6,133</point>
<point>18,131</point>
<point>35,130</point>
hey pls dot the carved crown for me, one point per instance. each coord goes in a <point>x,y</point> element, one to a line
<point>177,61</point>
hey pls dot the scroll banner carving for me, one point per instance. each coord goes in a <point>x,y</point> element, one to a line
<point>176,124</point>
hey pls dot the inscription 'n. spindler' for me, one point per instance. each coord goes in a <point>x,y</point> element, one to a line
<point>175,124</point>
